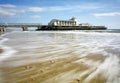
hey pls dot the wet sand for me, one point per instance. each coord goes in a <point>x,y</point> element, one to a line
<point>1,50</point>
<point>60,58</point>
<point>62,70</point>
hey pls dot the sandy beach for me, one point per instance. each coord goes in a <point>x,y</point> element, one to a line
<point>63,70</point>
<point>1,50</point>
<point>55,57</point>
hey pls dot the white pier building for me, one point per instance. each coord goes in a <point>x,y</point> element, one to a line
<point>72,22</point>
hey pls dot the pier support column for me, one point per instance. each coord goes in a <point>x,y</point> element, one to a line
<point>25,28</point>
<point>2,29</point>
<point>39,27</point>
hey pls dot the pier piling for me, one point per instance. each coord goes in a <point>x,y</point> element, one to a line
<point>25,28</point>
<point>2,29</point>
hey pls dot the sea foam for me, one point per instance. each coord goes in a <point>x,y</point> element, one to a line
<point>7,51</point>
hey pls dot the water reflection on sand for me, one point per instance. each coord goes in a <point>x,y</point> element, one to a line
<point>61,57</point>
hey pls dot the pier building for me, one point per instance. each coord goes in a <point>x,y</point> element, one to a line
<point>71,22</point>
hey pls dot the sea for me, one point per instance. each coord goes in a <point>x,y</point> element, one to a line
<point>98,49</point>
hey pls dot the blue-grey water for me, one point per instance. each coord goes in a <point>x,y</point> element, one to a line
<point>99,49</point>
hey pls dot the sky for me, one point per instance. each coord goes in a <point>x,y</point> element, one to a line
<point>96,12</point>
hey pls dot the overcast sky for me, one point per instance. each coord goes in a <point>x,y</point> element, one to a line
<point>97,12</point>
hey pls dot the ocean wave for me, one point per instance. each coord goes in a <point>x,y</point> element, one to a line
<point>7,51</point>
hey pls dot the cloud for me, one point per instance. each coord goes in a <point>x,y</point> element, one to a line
<point>7,5</point>
<point>59,8</point>
<point>6,13</point>
<point>36,16</point>
<point>37,9</point>
<point>9,10</point>
<point>12,10</point>
<point>54,8</point>
<point>64,8</point>
<point>107,14</point>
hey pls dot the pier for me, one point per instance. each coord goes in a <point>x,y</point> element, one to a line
<point>24,26</point>
<point>48,27</point>
<point>54,24</point>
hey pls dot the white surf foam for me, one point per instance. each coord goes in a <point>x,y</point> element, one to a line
<point>7,51</point>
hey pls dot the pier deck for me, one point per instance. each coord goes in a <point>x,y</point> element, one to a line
<point>25,27</point>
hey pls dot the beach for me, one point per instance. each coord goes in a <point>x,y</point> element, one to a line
<point>52,71</point>
<point>1,50</point>
<point>60,57</point>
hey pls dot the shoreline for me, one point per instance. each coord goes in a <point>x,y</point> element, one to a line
<point>57,60</point>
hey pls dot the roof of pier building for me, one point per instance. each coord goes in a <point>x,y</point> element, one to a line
<point>74,19</point>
